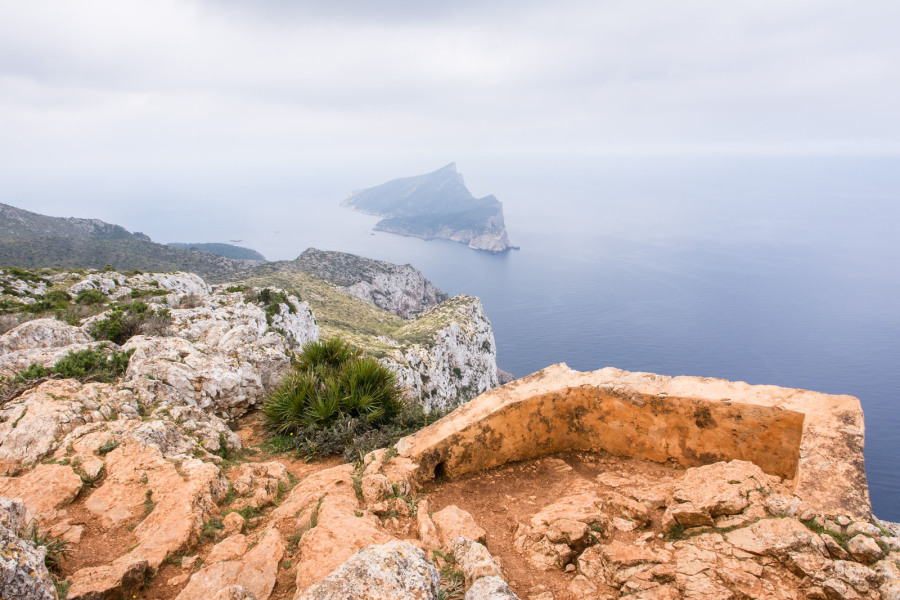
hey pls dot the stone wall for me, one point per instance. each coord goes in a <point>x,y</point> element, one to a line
<point>814,439</point>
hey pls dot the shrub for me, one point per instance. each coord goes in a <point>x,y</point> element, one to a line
<point>335,400</point>
<point>128,320</point>
<point>94,363</point>
<point>52,300</point>
<point>89,297</point>
<point>272,300</point>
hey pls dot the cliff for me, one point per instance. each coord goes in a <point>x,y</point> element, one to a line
<point>400,289</point>
<point>435,205</point>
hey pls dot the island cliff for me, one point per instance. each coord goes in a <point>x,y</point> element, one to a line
<point>435,205</point>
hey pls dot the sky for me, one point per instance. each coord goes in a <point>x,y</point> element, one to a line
<point>102,94</point>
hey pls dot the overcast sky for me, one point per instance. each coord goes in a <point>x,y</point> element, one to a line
<point>164,88</point>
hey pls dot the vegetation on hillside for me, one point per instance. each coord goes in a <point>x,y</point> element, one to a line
<point>337,400</point>
<point>226,250</point>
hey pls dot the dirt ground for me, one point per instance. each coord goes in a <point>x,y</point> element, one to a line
<point>502,498</point>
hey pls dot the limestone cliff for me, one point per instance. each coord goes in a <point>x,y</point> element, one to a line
<point>400,289</point>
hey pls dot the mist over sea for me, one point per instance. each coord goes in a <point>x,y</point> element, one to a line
<point>771,271</point>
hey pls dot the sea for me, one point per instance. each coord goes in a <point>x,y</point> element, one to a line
<point>767,270</point>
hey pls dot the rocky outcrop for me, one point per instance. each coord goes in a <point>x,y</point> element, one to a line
<point>392,571</point>
<point>400,289</point>
<point>453,357</point>
<point>23,575</point>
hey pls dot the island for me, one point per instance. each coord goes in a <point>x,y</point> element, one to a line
<point>435,205</point>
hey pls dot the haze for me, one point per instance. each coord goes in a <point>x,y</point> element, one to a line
<point>106,105</point>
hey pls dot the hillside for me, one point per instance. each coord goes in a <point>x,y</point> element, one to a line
<point>31,240</point>
<point>226,250</point>
<point>400,289</point>
<point>435,205</point>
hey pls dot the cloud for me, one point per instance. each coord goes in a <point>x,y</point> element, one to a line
<point>223,84</point>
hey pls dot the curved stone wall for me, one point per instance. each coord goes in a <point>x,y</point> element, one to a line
<point>814,439</point>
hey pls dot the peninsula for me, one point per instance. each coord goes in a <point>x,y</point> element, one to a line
<point>435,205</point>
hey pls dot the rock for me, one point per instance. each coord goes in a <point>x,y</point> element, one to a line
<point>426,528</point>
<point>774,537</point>
<point>392,571</point>
<point>12,515</point>
<point>715,490</point>
<point>376,488</point>
<point>864,549</point>
<point>233,523</point>
<point>259,484</point>
<point>231,548</point>
<point>490,588</point>
<point>23,575</point>
<point>41,333</point>
<point>43,490</point>
<point>685,515</point>
<point>616,562</point>
<point>459,360</point>
<point>834,549</point>
<point>570,521</point>
<point>581,588</point>
<point>122,578</point>
<point>400,289</point>
<point>862,578</point>
<point>234,592</point>
<point>865,528</point>
<point>835,589</point>
<point>619,505</point>
<point>256,570</point>
<point>452,522</point>
<point>474,560</point>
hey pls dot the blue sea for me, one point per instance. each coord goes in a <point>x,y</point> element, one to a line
<point>771,271</point>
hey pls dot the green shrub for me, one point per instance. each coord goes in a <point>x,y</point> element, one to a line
<point>337,401</point>
<point>52,300</point>
<point>90,297</point>
<point>128,320</point>
<point>95,363</point>
<point>272,300</point>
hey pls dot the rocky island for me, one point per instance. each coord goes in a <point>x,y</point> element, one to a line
<point>435,205</point>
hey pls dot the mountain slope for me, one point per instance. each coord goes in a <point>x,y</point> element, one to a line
<point>31,240</point>
<point>226,250</point>
<point>435,205</point>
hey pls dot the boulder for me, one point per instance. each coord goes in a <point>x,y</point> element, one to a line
<point>474,560</point>
<point>259,484</point>
<point>775,537</point>
<point>392,571</point>
<point>490,588</point>
<point>23,575</point>
<point>256,571</point>
<point>453,522</point>
<point>864,549</point>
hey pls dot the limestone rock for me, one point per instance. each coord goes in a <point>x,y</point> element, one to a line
<point>234,592</point>
<point>23,575</point>
<point>376,488</point>
<point>426,528</point>
<point>400,289</point>
<point>490,588</point>
<point>41,333</point>
<point>774,537</point>
<point>562,529</point>
<point>392,571</point>
<point>452,522</point>
<point>864,549</point>
<point>259,484</point>
<point>256,571</point>
<point>12,514</point>
<point>233,523</point>
<point>123,578</point>
<point>43,490</point>
<point>474,560</point>
<point>615,563</point>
